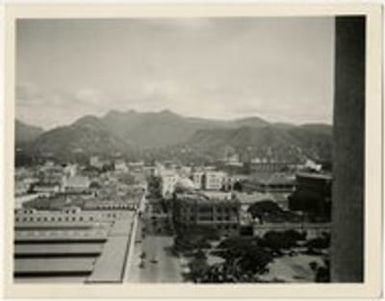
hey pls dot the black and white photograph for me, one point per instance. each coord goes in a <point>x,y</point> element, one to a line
<point>190,150</point>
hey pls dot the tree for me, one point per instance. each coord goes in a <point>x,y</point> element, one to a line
<point>323,272</point>
<point>281,240</point>
<point>265,208</point>
<point>198,268</point>
<point>319,242</point>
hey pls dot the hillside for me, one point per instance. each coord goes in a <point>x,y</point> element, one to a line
<point>276,143</point>
<point>165,128</point>
<point>25,133</point>
<point>166,134</point>
<point>87,135</point>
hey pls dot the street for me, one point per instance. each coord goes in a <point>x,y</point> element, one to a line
<point>165,268</point>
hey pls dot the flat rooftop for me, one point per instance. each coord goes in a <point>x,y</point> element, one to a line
<point>110,265</point>
<point>63,249</point>
<point>311,175</point>
<point>60,235</point>
<point>51,251</point>
<point>53,266</point>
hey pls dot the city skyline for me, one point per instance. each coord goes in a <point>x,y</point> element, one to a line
<point>223,68</point>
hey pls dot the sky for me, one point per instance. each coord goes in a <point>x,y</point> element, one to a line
<point>280,69</point>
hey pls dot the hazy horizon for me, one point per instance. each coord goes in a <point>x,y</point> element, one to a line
<point>278,69</point>
<point>164,110</point>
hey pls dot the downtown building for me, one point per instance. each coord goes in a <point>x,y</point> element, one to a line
<point>200,211</point>
<point>209,180</point>
<point>71,245</point>
<point>312,195</point>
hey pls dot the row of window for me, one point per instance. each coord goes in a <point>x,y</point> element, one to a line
<point>218,210</point>
<point>192,218</point>
<point>52,219</point>
<point>59,218</point>
<point>227,227</point>
<point>112,207</point>
<point>222,227</point>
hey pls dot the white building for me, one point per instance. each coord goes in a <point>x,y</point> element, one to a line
<point>76,184</point>
<point>209,180</point>
<point>168,181</point>
<point>198,179</point>
<point>70,170</point>
<point>121,166</point>
<point>46,188</point>
<point>214,180</point>
<point>96,162</point>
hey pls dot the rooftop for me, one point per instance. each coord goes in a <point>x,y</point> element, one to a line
<point>273,178</point>
<point>251,198</point>
<point>205,197</point>
<point>87,252</point>
<point>323,176</point>
<point>78,181</point>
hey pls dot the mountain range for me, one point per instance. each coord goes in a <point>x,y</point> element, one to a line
<point>25,133</point>
<point>168,132</point>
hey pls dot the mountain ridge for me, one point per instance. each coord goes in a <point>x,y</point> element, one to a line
<point>25,132</point>
<point>122,132</point>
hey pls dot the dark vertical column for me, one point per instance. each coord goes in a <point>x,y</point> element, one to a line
<point>347,253</point>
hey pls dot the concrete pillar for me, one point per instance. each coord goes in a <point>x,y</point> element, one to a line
<point>347,251</point>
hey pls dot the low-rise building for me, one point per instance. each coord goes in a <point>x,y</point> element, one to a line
<point>21,188</point>
<point>312,230</point>
<point>264,165</point>
<point>70,170</point>
<point>71,244</point>
<point>198,179</point>
<point>270,182</point>
<point>77,184</point>
<point>214,180</point>
<point>120,166</point>
<point>46,188</point>
<point>96,162</point>
<point>312,194</point>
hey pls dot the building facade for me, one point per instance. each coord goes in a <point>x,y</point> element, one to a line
<point>196,211</point>
<point>168,182</point>
<point>312,194</point>
<point>269,183</point>
<point>214,180</point>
